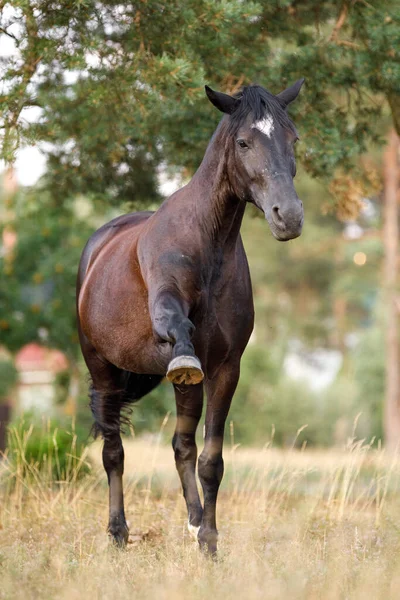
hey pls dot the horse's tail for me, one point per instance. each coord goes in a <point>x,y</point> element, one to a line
<point>112,409</point>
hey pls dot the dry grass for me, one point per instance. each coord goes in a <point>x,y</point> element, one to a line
<point>292,525</point>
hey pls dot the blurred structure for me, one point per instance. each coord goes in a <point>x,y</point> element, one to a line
<point>37,368</point>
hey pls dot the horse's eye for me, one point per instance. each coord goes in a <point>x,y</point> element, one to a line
<point>242,143</point>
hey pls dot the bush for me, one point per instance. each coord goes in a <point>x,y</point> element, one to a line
<point>53,448</point>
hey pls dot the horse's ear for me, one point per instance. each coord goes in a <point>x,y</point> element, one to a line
<point>291,93</point>
<point>223,102</point>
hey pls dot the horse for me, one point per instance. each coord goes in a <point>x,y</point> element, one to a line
<point>168,294</point>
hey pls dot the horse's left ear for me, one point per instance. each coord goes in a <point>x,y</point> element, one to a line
<point>291,93</point>
<point>223,102</point>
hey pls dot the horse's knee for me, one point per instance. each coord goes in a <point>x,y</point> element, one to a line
<point>170,321</point>
<point>184,446</point>
<point>211,469</point>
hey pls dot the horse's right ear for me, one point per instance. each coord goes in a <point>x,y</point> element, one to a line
<point>223,102</point>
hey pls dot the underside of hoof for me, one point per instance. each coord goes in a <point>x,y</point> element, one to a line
<point>185,370</point>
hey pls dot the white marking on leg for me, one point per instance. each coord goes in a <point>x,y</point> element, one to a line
<point>265,125</point>
<point>193,530</point>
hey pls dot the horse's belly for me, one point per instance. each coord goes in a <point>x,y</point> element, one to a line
<point>128,351</point>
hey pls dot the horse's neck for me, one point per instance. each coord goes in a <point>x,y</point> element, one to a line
<point>218,208</point>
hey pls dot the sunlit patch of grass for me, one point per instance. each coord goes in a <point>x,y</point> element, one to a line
<point>293,524</point>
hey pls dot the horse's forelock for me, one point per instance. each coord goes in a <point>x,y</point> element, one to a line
<point>260,103</point>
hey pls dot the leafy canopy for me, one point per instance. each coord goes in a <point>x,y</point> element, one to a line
<point>119,86</point>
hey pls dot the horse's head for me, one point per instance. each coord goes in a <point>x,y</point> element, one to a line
<point>261,161</point>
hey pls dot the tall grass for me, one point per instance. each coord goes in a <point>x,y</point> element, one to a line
<point>293,524</point>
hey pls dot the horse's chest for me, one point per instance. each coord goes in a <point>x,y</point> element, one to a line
<point>225,319</point>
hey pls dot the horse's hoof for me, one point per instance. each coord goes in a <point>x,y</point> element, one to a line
<point>208,542</point>
<point>185,370</point>
<point>209,550</point>
<point>118,536</point>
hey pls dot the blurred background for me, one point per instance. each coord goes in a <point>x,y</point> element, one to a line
<point>103,111</point>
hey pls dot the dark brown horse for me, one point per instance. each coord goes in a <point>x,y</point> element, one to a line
<point>169,294</point>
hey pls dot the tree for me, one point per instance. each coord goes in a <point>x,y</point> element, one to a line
<point>351,52</point>
<point>39,273</point>
<point>391,242</point>
<point>116,93</point>
<point>118,96</point>
<point>37,286</point>
<point>118,99</point>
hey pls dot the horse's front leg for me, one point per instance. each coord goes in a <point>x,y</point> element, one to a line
<point>220,391</point>
<point>169,314</point>
<point>189,405</point>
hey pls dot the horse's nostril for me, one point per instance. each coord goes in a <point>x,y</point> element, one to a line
<point>277,214</point>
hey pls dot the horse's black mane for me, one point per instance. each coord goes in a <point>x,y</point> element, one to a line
<point>259,102</point>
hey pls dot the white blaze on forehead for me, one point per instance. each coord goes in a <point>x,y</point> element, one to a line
<point>265,125</point>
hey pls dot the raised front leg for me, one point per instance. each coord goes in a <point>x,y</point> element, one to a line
<point>220,391</point>
<point>189,405</point>
<point>170,320</point>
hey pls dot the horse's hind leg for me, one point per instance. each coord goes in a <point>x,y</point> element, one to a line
<point>106,401</point>
<point>107,396</point>
<point>189,404</point>
<point>112,388</point>
<point>171,323</point>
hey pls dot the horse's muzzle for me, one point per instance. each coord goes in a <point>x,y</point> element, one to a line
<point>286,220</point>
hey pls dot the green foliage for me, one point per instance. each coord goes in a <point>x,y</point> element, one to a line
<point>267,404</point>
<point>61,386</point>
<point>342,414</point>
<point>149,413</point>
<point>118,97</point>
<point>52,446</point>
<point>8,378</point>
<point>39,273</point>
<point>297,284</point>
<point>369,366</point>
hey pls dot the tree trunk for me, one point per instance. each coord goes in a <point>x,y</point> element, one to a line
<point>391,244</point>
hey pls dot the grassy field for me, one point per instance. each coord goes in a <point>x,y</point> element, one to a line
<point>293,524</point>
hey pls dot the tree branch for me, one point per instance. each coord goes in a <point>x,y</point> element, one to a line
<point>10,35</point>
<point>348,44</point>
<point>339,23</point>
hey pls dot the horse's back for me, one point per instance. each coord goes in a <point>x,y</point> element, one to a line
<point>104,234</point>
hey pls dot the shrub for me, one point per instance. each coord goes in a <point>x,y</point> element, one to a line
<point>53,448</point>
